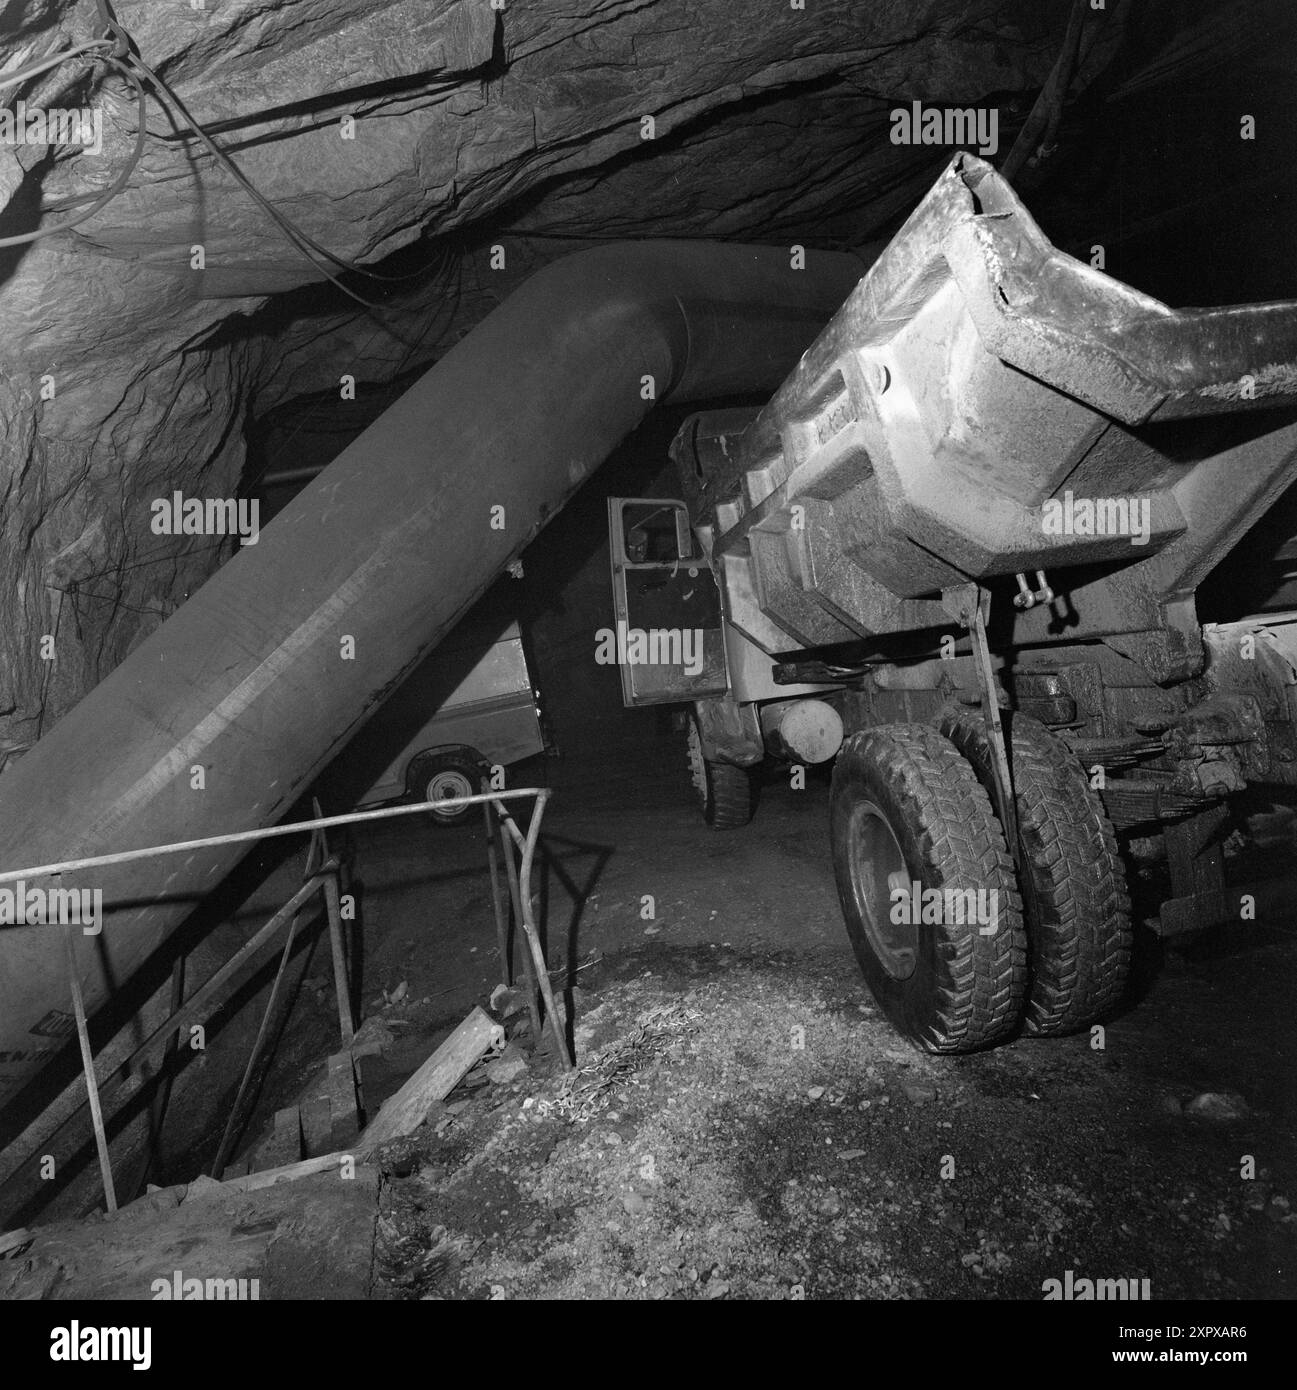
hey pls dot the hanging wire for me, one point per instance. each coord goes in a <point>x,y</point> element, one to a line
<point>54,60</point>
<point>303,243</point>
<point>119,51</point>
<point>119,183</point>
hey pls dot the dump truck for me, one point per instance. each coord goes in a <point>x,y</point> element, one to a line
<point>972,524</point>
<point>992,486</point>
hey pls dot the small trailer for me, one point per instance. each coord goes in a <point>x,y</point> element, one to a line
<point>972,525</point>
<point>473,706</point>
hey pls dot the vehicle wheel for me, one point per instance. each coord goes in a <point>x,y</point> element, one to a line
<point>1072,878</point>
<point>906,808</point>
<point>726,794</point>
<point>442,776</point>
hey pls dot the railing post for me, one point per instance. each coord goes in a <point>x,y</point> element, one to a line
<point>88,1066</point>
<point>520,886</point>
<point>528,965</point>
<point>321,878</point>
<point>497,899</point>
<point>125,1075</point>
<point>338,944</point>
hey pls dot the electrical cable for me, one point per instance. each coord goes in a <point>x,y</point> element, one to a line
<point>112,29</point>
<point>1037,133</point>
<point>118,184</point>
<point>54,60</point>
<point>123,59</point>
<point>300,240</point>
<point>124,51</point>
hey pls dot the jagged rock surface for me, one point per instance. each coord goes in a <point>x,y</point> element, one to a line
<point>473,127</point>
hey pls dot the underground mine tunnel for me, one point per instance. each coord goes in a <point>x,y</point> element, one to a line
<point>650,650</point>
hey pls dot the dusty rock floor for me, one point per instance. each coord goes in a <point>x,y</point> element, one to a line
<point>769,1137</point>
<point>745,1124</point>
<point>782,1141</point>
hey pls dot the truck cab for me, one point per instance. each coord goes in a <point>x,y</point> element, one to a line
<point>675,644</point>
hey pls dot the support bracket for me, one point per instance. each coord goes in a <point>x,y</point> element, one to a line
<point>971,605</point>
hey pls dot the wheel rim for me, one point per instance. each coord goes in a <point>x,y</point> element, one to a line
<point>443,786</point>
<point>697,763</point>
<point>877,867</point>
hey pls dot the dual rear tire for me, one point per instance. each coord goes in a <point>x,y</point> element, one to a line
<point>1070,871</point>
<point>961,951</point>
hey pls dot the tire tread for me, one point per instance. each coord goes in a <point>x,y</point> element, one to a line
<point>980,997</point>
<point>1079,928</point>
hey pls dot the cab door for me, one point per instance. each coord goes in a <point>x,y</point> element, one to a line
<point>669,641</point>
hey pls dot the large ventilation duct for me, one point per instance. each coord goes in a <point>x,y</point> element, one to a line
<point>388,546</point>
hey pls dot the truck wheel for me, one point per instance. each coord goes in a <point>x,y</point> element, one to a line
<point>906,810</point>
<point>725,793</point>
<point>1072,879</point>
<point>441,776</point>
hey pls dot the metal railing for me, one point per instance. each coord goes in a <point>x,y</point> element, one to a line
<point>323,877</point>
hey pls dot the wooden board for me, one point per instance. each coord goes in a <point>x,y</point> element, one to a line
<point>317,1126</point>
<point>404,1112</point>
<point>344,1119</point>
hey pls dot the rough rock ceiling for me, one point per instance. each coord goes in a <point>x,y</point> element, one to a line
<point>473,126</point>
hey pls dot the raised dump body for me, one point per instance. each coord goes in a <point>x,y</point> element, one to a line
<point>984,405</point>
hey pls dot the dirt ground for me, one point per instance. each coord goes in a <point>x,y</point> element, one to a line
<point>743,1122</point>
<point>747,1125</point>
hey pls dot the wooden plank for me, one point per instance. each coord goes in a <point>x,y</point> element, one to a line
<point>92,1081</point>
<point>268,1177</point>
<point>404,1112</point>
<point>344,1121</point>
<point>317,1126</point>
<point>288,1133</point>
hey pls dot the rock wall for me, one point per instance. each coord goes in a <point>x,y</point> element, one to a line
<point>417,134</point>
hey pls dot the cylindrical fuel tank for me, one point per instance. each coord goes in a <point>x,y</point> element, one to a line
<point>805,731</point>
